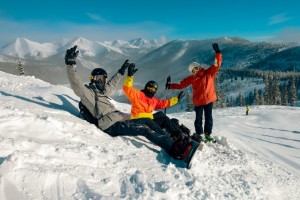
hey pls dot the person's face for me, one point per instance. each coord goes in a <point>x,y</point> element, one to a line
<point>101,78</point>
<point>195,70</point>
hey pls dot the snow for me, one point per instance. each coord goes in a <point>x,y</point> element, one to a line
<point>47,152</point>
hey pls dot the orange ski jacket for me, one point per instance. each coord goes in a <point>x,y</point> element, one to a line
<point>141,105</point>
<point>202,83</point>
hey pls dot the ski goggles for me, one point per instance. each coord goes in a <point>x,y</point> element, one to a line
<point>151,89</point>
<point>99,78</point>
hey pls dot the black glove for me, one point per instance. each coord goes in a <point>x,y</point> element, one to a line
<point>131,69</point>
<point>124,67</point>
<point>180,95</point>
<point>71,55</point>
<point>168,83</point>
<point>216,47</point>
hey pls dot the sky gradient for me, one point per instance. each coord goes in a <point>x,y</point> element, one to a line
<point>47,21</point>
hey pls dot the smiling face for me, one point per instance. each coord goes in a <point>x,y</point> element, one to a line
<point>195,70</point>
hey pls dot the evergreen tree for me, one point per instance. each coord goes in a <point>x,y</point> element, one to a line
<point>189,102</point>
<point>293,92</point>
<point>266,95</point>
<point>284,99</point>
<point>240,101</point>
<point>261,98</point>
<point>256,100</point>
<point>20,68</point>
<point>276,92</point>
<point>221,101</point>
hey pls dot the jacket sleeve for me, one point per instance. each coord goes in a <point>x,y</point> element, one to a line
<point>129,91</point>
<point>215,67</point>
<point>112,84</point>
<point>184,83</point>
<point>166,103</point>
<point>76,84</point>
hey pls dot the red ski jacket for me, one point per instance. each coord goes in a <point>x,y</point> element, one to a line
<point>202,83</point>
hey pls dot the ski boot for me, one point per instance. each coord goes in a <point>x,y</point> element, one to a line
<point>209,138</point>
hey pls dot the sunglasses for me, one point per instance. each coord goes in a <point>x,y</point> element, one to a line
<point>195,69</point>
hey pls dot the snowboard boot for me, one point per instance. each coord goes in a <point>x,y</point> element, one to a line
<point>180,148</point>
<point>209,138</point>
<point>196,137</point>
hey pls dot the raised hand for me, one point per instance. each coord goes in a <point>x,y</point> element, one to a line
<point>71,55</point>
<point>124,67</point>
<point>216,47</point>
<point>131,69</point>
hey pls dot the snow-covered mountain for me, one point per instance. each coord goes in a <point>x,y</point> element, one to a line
<point>24,48</point>
<point>154,59</point>
<point>47,152</point>
<point>45,60</point>
<point>174,57</point>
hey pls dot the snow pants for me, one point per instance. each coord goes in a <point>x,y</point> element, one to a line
<point>208,124</point>
<point>164,122</point>
<point>142,127</point>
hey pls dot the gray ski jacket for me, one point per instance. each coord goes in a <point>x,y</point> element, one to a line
<point>97,102</point>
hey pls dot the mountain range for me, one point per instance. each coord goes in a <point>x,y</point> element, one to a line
<point>155,60</point>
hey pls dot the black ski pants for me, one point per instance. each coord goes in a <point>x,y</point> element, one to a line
<point>208,124</point>
<point>142,127</point>
<point>164,122</point>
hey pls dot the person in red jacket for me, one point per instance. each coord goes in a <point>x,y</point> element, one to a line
<point>204,94</point>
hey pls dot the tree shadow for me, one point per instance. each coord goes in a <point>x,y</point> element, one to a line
<point>66,105</point>
<point>284,145</point>
<point>296,132</point>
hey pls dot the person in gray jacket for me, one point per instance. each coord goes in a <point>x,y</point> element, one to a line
<point>96,98</point>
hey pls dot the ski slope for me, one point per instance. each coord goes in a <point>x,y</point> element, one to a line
<point>47,152</point>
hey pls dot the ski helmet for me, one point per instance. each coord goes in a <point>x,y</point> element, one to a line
<point>193,65</point>
<point>97,71</point>
<point>150,88</point>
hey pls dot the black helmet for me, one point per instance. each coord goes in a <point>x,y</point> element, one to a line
<point>150,88</point>
<point>97,71</point>
<point>151,84</point>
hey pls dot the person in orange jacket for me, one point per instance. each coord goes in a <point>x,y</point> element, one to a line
<point>204,94</point>
<point>143,103</point>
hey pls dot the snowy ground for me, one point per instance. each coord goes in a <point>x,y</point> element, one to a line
<point>47,152</point>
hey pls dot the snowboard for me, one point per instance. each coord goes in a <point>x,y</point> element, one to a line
<point>196,148</point>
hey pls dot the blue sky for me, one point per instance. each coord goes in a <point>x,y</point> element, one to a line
<point>47,21</point>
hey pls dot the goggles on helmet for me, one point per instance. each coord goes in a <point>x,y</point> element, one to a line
<point>99,78</point>
<point>151,89</point>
